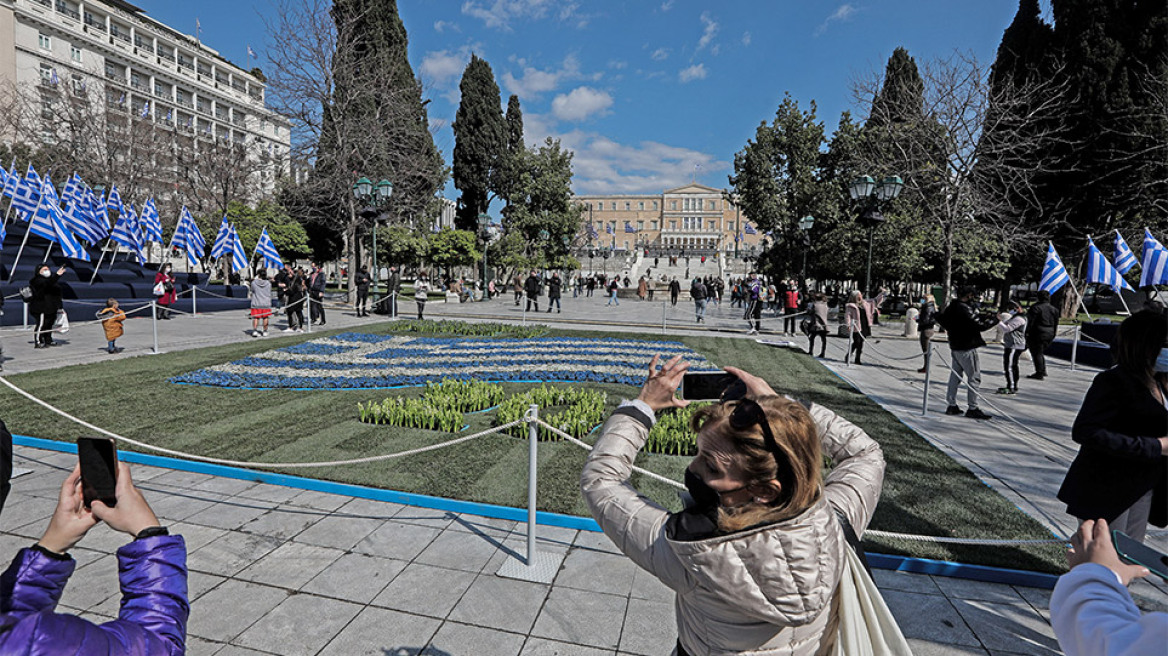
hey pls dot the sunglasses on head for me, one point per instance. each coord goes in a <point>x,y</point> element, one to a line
<point>747,413</point>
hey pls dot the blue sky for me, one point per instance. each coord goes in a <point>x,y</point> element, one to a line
<point>645,91</point>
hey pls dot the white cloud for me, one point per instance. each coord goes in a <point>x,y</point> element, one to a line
<point>535,81</point>
<point>441,26</point>
<point>667,5</point>
<point>441,66</point>
<point>660,54</point>
<point>695,72</point>
<point>618,64</point>
<point>604,166</point>
<point>746,38</point>
<point>499,14</point>
<point>842,14</point>
<point>708,32</point>
<point>580,104</point>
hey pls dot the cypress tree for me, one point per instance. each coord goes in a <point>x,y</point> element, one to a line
<point>480,141</point>
<point>512,166</point>
<point>902,97</point>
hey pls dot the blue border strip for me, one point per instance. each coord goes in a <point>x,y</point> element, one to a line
<point>876,560</point>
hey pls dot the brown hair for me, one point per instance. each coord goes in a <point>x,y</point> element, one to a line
<point>796,467</point>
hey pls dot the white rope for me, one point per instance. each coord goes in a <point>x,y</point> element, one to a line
<point>969,541</point>
<point>241,463</point>
<point>586,447</point>
<point>72,325</point>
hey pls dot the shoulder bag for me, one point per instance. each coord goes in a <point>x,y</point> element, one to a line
<point>866,626</point>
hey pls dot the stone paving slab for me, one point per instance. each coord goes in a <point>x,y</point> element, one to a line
<point>264,588</point>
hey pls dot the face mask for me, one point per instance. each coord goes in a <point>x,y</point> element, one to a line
<point>45,274</point>
<point>703,495</point>
<point>1161,365</point>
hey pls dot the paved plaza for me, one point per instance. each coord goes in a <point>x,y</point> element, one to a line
<point>286,571</point>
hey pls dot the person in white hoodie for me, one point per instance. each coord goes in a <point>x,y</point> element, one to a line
<point>757,557</point>
<point>1090,609</point>
<point>1013,329</point>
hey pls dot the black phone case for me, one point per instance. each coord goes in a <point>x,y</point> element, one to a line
<point>1140,554</point>
<point>99,461</point>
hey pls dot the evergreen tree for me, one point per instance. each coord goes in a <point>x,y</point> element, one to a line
<point>902,97</point>
<point>511,168</point>
<point>480,142</point>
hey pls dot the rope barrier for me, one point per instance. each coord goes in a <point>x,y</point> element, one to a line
<point>78,324</point>
<point>587,447</point>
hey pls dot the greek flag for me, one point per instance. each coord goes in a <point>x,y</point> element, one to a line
<point>1100,271</point>
<point>113,201</point>
<point>609,229</point>
<point>128,234</point>
<point>72,186</point>
<point>98,219</point>
<point>238,257</point>
<point>28,193</point>
<point>193,243</point>
<point>1125,259</point>
<point>49,213</point>
<point>1054,274</point>
<point>267,249</point>
<point>629,227</point>
<point>151,225</point>
<point>750,230</point>
<point>592,231</point>
<point>13,181</point>
<point>222,239</point>
<point>86,220</point>
<point>1154,265</point>
<point>145,109</point>
<point>77,212</point>
<point>3,177</point>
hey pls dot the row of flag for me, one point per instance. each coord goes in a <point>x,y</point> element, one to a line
<point>85,216</point>
<point>1153,265</point>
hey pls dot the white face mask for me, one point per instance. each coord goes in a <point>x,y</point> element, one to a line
<point>46,273</point>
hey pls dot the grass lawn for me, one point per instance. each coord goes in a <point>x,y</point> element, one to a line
<point>925,492</point>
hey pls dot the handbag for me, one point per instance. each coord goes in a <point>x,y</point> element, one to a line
<point>866,626</point>
<point>160,289</point>
<point>805,326</point>
<point>61,325</point>
<point>26,294</point>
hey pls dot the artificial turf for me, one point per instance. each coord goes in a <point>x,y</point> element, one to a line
<point>925,491</point>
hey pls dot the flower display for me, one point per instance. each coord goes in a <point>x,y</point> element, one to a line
<point>364,361</point>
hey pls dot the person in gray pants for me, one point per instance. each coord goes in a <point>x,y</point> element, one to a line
<point>965,325</point>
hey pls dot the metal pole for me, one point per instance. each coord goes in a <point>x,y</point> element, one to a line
<point>195,300</point>
<point>525,311</point>
<point>1075,348</point>
<point>848,354</point>
<point>376,271</point>
<point>532,461</point>
<point>154,323</point>
<point>308,302</point>
<point>25,315</point>
<point>868,275</point>
<point>663,306</point>
<point>487,245</point>
<point>928,378</point>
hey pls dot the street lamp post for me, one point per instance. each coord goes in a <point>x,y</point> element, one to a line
<point>871,196</point>
<point>375,197</point>
<point>805,225</point>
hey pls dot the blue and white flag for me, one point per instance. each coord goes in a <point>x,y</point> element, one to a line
<point>113,201</point>
<point>98,218</point>
<point>84,219</point>
<point>129,234</point>
<point>13,181</point>
<point>222,243</point>
<point>609,229</point>
<point>266,249</point>
<point>77,212</point>
<point>72,186</point>
<point>629,227</point>
<point>750,230</point>
<point>1100,271</point>
<point>1054,274</point>
<point>238,256</point>
<point>145,109</point>
<point>151,224</point>
<point>3,176</point>
<point>49,213</point>
<point>1154,264</point>
<point>1125,259</point>
<point>193,243</point>
<point>28,193</point>
<point>592,234</point>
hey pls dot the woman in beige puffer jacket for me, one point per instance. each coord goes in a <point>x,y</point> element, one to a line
<point>766,589</point>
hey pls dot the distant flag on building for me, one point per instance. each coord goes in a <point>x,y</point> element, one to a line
<point>145,109</point>
<point>1154,264</point>
<point>114,201</point>
<point>629,227</point>
<point>592,234</point>
<point>28,194</point>
<point>1100,271</point>
<point>222,239</point>
<point>266,249</point>
<point>1125,259</point>
<point>238,256</point>
<point>609,229</point>
<point>128,234</point>
<point>749,229</point>
<point>151,225</point>
<point>251,53</point>
<point>1054,274</point>
<point>53,79</point>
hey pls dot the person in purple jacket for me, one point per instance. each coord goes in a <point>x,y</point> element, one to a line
<point>151,569</point>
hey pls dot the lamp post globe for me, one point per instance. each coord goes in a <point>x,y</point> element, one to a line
<point>384,190</point>
<point>805,224</point>
<point>870,195</point>
<point>362,188</point>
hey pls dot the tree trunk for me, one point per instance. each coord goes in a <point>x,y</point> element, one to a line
<point>947,274</point>
<point>351,253</point>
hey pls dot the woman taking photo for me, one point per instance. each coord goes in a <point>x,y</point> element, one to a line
<point>757,557</point>
<point>1121,472</point>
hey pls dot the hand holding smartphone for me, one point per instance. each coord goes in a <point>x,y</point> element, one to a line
<point>99,470</point>
<point>712,386</point>
<point>1138,553</point>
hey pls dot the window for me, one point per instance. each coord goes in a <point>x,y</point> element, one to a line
<point>78,85</point>
<point>713,205</point>
<point>654,204</point>
<point>75,53</point>
<point>672,204</point>
<point>46,41</point>
<point>640,225</point>
<point>46,108</point>
<point>628,206</point>
<point>713,224</point>
<point>652,225</point>
<point>673,225</point>
<point>731,224</point>
<point>614,205</point>
<point>48,76</point>
<point>685,204</point>
<point>641,205</point>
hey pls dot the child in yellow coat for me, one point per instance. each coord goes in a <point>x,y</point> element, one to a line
<point>112,319</point>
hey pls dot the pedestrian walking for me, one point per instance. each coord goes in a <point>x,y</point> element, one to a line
<point>316,285</point>
<point>296,294</point>
<point>756,295</point>
<point>1014,342</point>
<point>674,291</point>
<point>697,292</point>
<point>965,326</point>
<point>859,322</point>
<point>517,287</point>
<point>1042,322</point>
<point>421,293</point>
<point>112,320</point>
<point>554,290</point>
<point>790,307</point>
<point>817,325</point>
<point>590,286</point>
<point>926,328</point>
<point>280,284</point>
<point>642,288</point>
<point>363,279</point>
<point>164,282</point>
<point>613,288</point>
<point>1121,471</point>
<point>531,288</point>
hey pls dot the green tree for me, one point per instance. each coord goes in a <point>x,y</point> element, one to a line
<point>511,165</point>
<point>544,222</point>
<point>287,234</point>
<point>480,141</point>
<point>452,248</point>
<point>400,246</point>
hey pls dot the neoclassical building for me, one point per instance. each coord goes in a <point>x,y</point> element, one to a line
<point>692,217</point>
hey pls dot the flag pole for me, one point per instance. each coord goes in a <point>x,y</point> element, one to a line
<point>1080,297</point>
<point>97,267</point>
<point>114,257</point>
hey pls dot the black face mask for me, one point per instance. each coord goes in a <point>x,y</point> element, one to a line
<point>703,495</point>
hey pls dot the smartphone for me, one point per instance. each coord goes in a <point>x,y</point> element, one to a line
<point>99,470</point>
<point>1140,554</point>
<point>706,386</point>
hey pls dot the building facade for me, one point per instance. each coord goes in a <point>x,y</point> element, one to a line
<point>159,79</point>
<point>692,217</point>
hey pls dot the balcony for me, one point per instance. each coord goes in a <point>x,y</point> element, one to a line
<point>92,24</point>
<point>168,56</point>
<point>46,3</point>
<point>64,9</point>
<point>186,103</point>
<point>162,93</point>
<point>117,33</point>
<point>137,85</point>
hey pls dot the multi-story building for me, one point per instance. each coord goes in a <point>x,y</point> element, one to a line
<point>159,79</point>
<point>693,218</point>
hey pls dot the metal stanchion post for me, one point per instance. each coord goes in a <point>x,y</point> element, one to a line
<point>1075,348</point>
<point>663,327</point>
<point>194,301</point>
<point>537,567</point>
<point>308,302</point>
<point>524,314</point>
<point>928,378</point>
<point>25,315</point>
<point>154,323</point>
<point>851,341</point>
<point>532,463</point>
